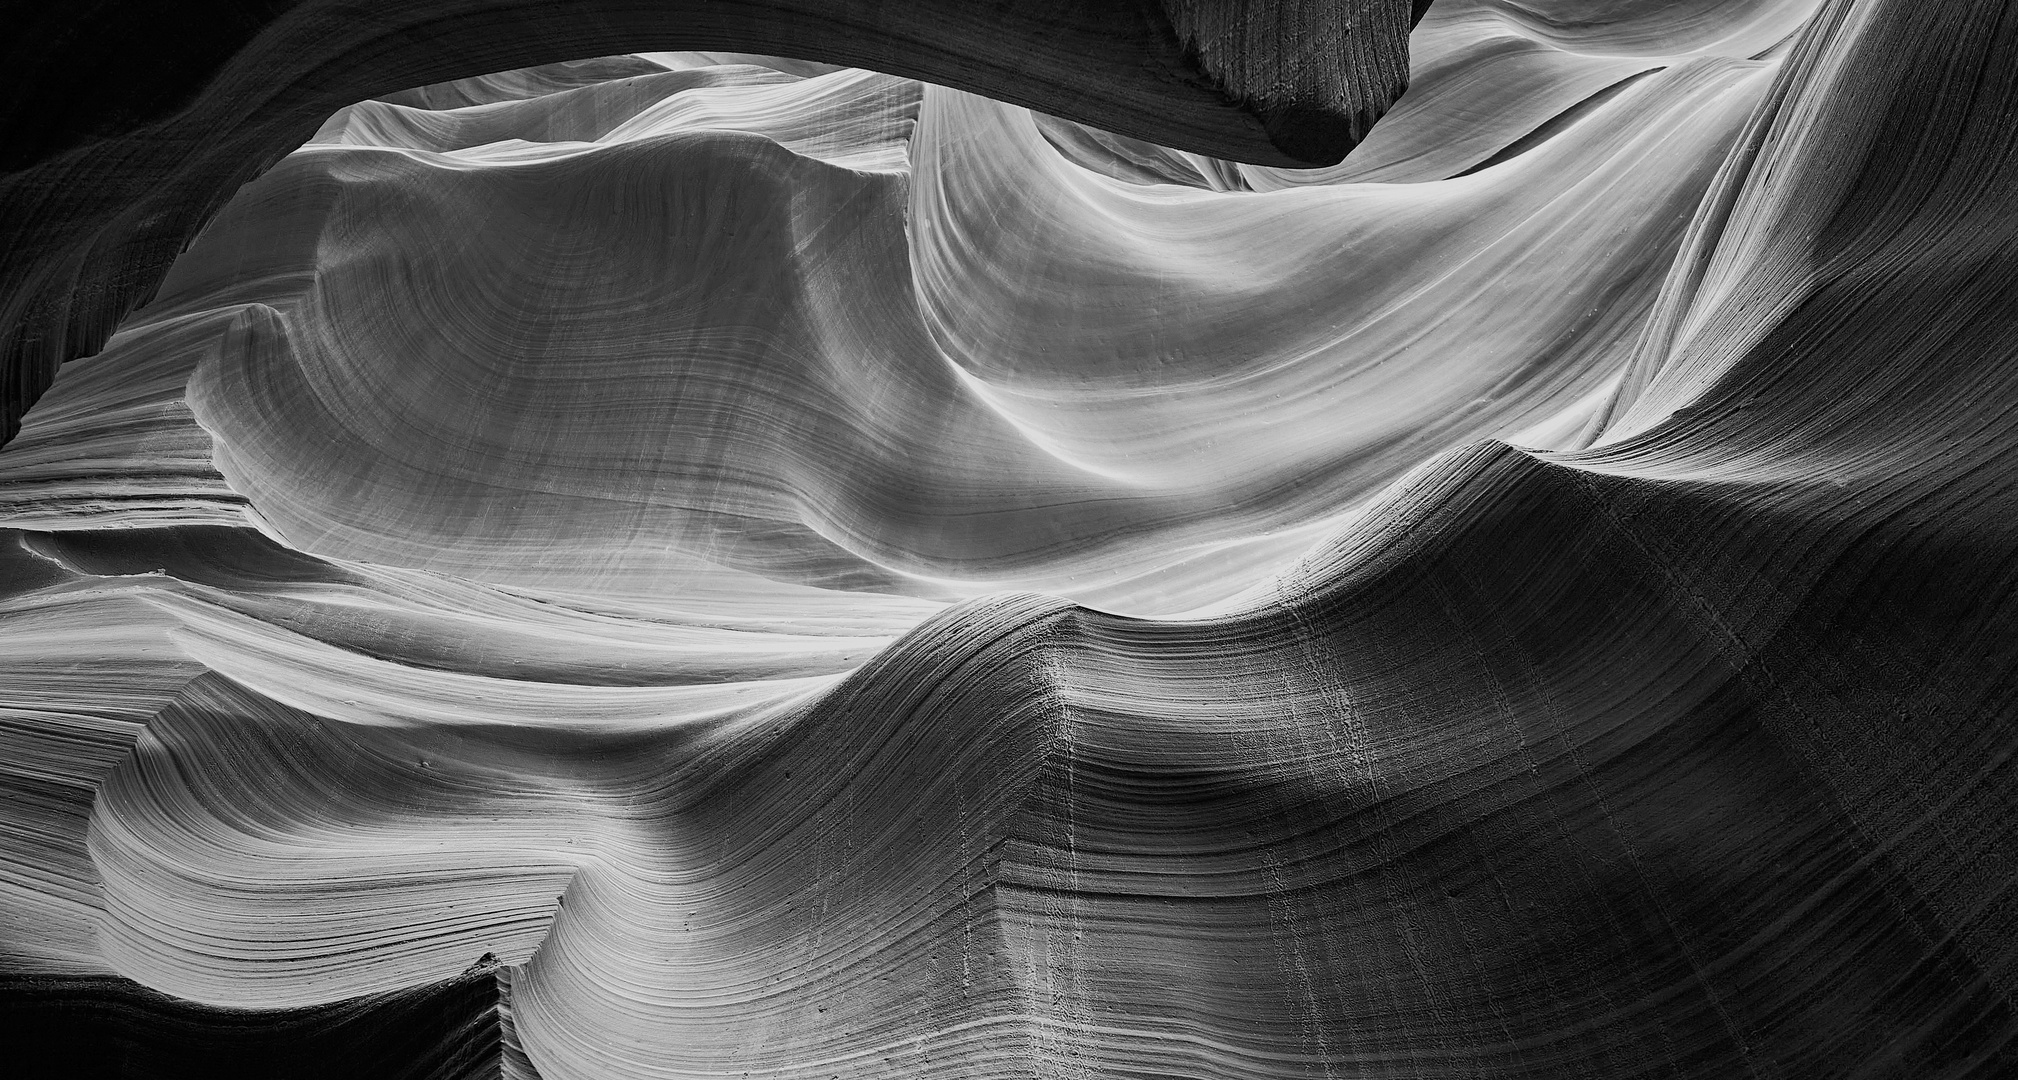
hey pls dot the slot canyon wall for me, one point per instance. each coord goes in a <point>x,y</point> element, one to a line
<point>1023,540</point>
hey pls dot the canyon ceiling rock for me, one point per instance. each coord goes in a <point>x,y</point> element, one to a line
<point>685,564</point>
<point>127,125</point>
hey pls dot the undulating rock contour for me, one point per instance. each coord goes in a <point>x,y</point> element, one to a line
<point>1011,558</point>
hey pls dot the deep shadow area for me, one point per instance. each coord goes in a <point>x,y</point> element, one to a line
<point>89,1028</point>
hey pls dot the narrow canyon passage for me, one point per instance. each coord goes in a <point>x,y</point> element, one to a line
<point>703,564</point>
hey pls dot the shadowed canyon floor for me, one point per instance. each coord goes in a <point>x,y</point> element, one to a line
<point>705,565</point>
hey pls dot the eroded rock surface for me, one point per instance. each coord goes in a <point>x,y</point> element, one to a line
<point>807,572</point>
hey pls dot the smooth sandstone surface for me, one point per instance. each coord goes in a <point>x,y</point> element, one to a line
<point>707,565</point>
<point>128,125</point>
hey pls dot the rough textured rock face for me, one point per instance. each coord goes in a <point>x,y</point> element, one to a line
<point>704,565</point>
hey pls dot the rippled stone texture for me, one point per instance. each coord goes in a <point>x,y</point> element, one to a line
<point>811,573</point>
<point>129,125</point>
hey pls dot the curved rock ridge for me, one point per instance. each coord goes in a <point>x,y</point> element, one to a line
<point>1488,78</point>
<point>932,362</point>
<point>130,126</point>
<point>795,571</point>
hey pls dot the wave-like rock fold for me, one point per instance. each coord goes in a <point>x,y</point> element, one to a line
<point>697,564</point>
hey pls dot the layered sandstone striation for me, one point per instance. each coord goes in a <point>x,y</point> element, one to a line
<point>797,571</point>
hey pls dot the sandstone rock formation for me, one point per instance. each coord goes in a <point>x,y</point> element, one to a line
<point>798,571</point>
<point>128,125</point>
